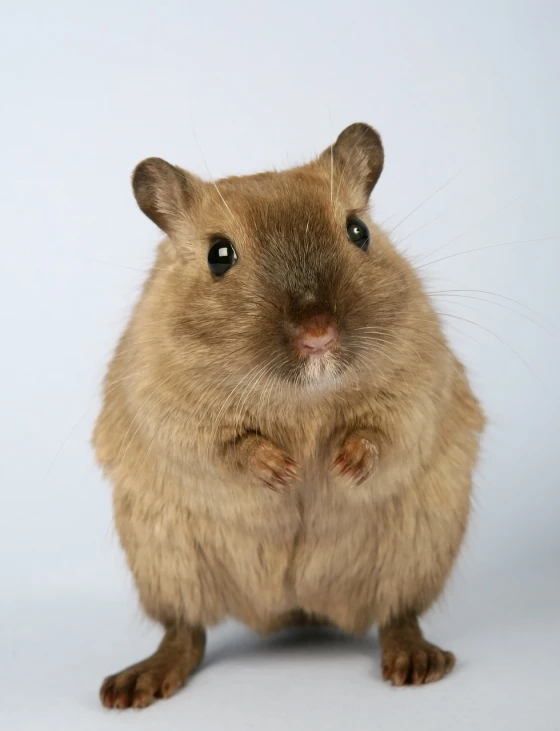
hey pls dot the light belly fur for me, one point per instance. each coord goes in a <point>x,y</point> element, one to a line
<point>204,551</point>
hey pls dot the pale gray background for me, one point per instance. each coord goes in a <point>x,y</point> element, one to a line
<point>89,89</point>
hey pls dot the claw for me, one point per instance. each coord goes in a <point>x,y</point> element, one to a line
<point>275,469</point>
<point>357,460</point>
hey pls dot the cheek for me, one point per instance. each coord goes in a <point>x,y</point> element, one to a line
<point>356,306</point>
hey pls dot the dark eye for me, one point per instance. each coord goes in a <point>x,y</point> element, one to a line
<point>357,232</point>
<point>221,257</point>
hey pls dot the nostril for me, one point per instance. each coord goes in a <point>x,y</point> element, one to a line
<point>316,343</point>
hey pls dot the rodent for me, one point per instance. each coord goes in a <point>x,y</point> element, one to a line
<point>288,435</point>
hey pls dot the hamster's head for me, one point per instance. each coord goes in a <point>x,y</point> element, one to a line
<point>280,277</point>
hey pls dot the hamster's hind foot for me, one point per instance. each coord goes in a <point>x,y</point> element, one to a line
<point>408,659</point>
<point>159,676</point>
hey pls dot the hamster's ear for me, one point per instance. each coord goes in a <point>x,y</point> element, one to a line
<point>164,193</point>
<point>357,159</point>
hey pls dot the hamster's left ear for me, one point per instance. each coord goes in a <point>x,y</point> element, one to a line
<point>356,159</point>
<point>165,193</point>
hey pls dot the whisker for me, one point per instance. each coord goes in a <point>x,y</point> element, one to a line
<point>483,248</point>
<point>123,266</point>
<point>477,224</point>
<point>496,304</point>
<point>82,417</point>
<point>160,385</point>
<point>502,340</point>
<point>160,426</point>
<point>231,397</point>
<point>232,217</point>
<point>447,182</point>
<point>332,171</point>
<point>404,238</point>
<point>500,296</point>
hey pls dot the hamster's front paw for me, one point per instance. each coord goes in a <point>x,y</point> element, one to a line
<point>274,468</point>
<point>357,460</point>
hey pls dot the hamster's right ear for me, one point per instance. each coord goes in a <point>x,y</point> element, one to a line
<point>164,193</point>
<point>356,160</point>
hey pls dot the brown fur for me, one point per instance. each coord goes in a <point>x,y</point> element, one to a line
<point>207,405</point>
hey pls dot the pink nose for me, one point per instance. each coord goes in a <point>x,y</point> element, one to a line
<point>316,338</point>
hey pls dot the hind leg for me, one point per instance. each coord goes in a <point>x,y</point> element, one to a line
<point>409,659</point>
<point>161,674</point>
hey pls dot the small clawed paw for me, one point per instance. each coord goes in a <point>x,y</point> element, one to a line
<point>416,665</point>
<point>357,460</point>
<point>138,688</point>
<point>274,468</point>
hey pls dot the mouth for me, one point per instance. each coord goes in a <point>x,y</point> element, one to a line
<point>319,370</point>
<point>315,353</point>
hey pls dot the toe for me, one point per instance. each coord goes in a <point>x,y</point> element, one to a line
<point>437,666</point>
<point>122,699</point>
<point>117,690</point>
<point>400,669</point>
<point>172,682</point>
<point>419,667</point>
<point>449,661</point>
<point>142,699</point>
<point>106,693</point>
<point>387,667</point>
<point>144,690</point>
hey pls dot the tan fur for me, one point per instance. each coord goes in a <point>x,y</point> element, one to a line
<point>178,435</point>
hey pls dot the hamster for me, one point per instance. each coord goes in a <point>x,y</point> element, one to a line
<point>288,435</point>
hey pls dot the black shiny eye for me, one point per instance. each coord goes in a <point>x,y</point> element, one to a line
<point>221,257</point>
<point>357,232</point>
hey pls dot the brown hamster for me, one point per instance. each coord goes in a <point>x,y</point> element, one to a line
<point>288,435</point>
